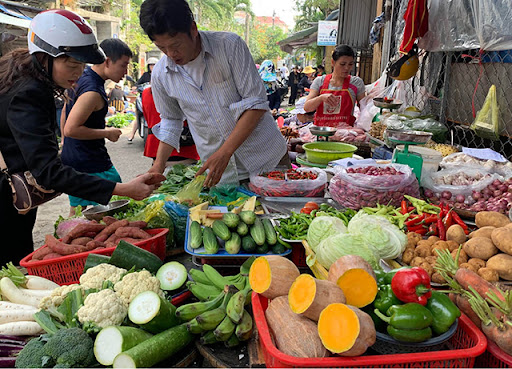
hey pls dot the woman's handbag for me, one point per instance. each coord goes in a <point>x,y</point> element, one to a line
<point>27,194</point>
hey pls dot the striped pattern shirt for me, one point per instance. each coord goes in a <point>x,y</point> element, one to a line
<point>231,85</point>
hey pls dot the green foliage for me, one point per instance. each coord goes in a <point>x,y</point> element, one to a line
<point>313,11</point>
<point>120,120</point>
<point>263,43</point>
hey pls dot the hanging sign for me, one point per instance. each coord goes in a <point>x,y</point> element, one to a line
<point>327,33</point>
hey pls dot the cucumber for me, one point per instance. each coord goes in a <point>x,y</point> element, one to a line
<point>278,248</point>
<point>221,230</point>
<point>263,249</point>
<point>94,260</point>
<point>233,245</point>
<point>172,275</point>
<point>242,229</point>
<point>195,234</point>
<point>152,312</point>
<point>270,232</point>
<point>248,244</point>
<point>211,245</point>
<point>155,349</point>
<point>231,219</point>
<point>111,341</point>
<point>258,232</point>
<point>248,217</point>
<point>128,256</point>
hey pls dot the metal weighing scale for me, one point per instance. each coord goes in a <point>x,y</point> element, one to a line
<point>406,138</point>
<point>322,133</point>
<point>382,103</point>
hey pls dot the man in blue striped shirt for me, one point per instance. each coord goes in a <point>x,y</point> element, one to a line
<point>209,79</point>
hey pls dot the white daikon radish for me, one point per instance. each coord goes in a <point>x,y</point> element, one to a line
<point>21,329</point>
<point>35,282</point>
<point>7,316</point>
<point>14,294</point>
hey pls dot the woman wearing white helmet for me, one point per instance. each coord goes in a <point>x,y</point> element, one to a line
<point>60,42</point>
<point>146,76</point>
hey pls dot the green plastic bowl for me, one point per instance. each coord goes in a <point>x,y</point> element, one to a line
<point>324,152</point>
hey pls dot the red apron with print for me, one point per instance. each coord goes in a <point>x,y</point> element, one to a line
<point>334,116</point>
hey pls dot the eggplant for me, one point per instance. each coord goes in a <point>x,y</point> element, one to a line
<point>8,349</point>
<point>7,362</point>
<point>12,342</point>
<point>24,339</point>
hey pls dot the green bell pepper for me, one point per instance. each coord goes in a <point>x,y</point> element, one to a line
<point>385,299</point>
<point>415,335</point>
<point>411,316</point>
<point>386,277</point>
<point>444,312</point>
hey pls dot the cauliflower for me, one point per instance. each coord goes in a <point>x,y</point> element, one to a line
<point>102,309</point>
<point>94,277</point>
<point>134,283</point>
<point>57,296</point>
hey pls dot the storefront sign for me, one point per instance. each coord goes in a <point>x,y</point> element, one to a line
<point>327,33</point>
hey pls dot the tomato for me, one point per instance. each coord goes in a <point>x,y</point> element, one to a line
<point>306,210</point>
<point>311,205</point>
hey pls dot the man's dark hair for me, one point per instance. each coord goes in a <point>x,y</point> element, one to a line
<point>158,17</point>
<point>115,49</point>
<point>342,50</point>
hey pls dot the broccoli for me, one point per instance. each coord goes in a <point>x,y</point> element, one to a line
<point>72,347</point>
<point>33,355</point>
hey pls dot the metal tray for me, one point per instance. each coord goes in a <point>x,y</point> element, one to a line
<point>200,252</point>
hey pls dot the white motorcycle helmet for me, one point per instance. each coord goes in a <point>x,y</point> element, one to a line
<point>61,32</point>
<point>152,61</point>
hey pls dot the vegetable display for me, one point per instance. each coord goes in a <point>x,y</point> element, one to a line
<point>412,285</point>
<point>293,182</point>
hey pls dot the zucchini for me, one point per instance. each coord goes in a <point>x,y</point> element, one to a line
<point>172,275</point>
<point>155,349</point>
<point>111,341</point>
<point>233,245</point>
<point>242,229</point>
<point>152,312</point>
<point>231,219</point>
<point>210,243</point>
<point>248,244</point>
<point>94,260</point>
<point>248,217</point>
<point>258,232</point>
<point>270,232</point>
<point>221,230</point>
<point>128,256</point>
<point>195,234</point>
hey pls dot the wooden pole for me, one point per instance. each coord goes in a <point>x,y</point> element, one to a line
<point>377,48</point>
<point>328,58</point>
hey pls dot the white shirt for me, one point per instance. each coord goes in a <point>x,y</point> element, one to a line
<point>231,85</point>
<point>284,71</point>
<point>195,69</point>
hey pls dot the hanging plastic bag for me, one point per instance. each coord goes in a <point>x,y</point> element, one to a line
<point>178,213</point>
<point>486,124</point>
<point>189,195</point>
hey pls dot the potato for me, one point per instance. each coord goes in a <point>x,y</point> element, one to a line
<point>422,250</point>
<point>417,261</point>
<point>441,245</point>
<point>452,245</point>
<point>424,242</point>
<point>491,218</point>
<point>438,278</point>
<point>456,233</point>
<point>427,267</point>
<point>482,232</point>
<point>407,256</point>
<point>463,257</point>
<point>502,263</point>
<point>480,247</point>
<point>433,239</point>
<point>508,225</point>
<point>478,263</point>
<point>489,274</point>
<point>414,237</point>
<point>502,239</point>
<point>468,266</point>
<point>431,260</point>
<point>410,245</point>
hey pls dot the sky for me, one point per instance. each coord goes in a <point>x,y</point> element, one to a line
<point>284,9</point>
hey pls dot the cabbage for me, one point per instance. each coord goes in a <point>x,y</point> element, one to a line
<point>341,244</point>
<point>323,227</point>
<point>384,238</point>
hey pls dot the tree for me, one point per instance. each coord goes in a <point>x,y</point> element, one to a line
<point>263,43</point>
<point>311,11</point>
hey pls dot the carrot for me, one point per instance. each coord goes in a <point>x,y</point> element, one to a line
<point>465,307</point>
<point>138,223</point>
<point>41,252</point>
<point>62,248</point>
<point>53,255</point>
<point>110,229</point>
<point>81,241</point>
<point>108,220</point>
<point>501,336</point>
<point>132,232</point>
<point>81,230</point>
<point>466,278</point>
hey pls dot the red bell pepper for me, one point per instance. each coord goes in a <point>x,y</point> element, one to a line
<point>412,285</point>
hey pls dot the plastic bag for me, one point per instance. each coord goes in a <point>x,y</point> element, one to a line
<point>156,217</point>
<point>425,124</point>
<point>358,190</point>
<point>486,124</point>
<point>457,184</point>
<point>226,195</point>
<point>264,186</point>
<point>178,213</point>
<point>460,159</point>
<point>305,134</point>
<point>189,194</point>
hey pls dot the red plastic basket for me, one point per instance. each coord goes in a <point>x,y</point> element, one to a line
<point>68,269</point>
<point>466,344</point>
<point>494,357</point>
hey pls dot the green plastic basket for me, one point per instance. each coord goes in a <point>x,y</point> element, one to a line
<point>324,152</point>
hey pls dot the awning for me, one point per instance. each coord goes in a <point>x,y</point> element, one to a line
<point>14,21</point>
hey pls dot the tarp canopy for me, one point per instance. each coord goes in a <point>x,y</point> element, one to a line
<point>12,16</point>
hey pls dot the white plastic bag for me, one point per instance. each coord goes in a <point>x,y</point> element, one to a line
<point>264,186</point>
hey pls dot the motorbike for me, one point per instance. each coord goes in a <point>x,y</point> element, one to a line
<point>141,122</point>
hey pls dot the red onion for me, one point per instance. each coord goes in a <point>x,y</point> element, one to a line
<point>491,188</point>
<point>446,195</point>
<point>460,198</point>
<point>476,195</point>
<point>496,182</point>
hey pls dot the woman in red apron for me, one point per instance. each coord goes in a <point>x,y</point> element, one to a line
<point>334,96</point>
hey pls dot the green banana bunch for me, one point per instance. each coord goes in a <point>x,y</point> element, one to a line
<point>190,311</point>
<point>244,330</point>
<point>219,281</point>
<point>211,319</point>
<point>235,307</point>
<point>208,338</point>
<point>225,329</point>
<point>203,292</point>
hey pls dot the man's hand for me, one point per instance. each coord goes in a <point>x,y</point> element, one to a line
<point>216,165</point>
<point>156,168</point>
<point>140,187</point>
<point>112,134</point>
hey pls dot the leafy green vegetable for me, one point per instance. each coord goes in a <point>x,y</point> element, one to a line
<point>341,244</point>
<point>178,176</point>
<point>322,227</point>
<point>120,120</point>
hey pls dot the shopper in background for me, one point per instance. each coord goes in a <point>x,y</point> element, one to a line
<point>306,80</point>
<point>269,77</point>
<point>293,82</point>
<point>60,42</point>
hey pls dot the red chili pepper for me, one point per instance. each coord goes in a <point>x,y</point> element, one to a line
<point>441,229</point>
<point>431,219</point>
<point>432,230</point>
<point>404,207</point>
<point>410,209</point>
<point>448,219</point>
<point>414,221</point>
<point>416,227</point>
<point>421,231</point>
<point>412,285</point>
<point>456,219</point>
<point>442,212</point>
